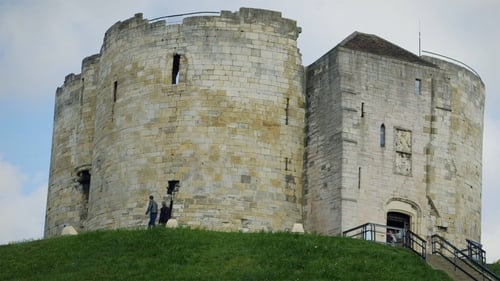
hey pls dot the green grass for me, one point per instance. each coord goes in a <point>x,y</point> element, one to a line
<point>495,267</point>
<point>183,254</point>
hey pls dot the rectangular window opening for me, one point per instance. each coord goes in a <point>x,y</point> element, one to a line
<point>382,135</point>
<point>173,186</point>
<point>286,163</point>
<point>362,109</point>
<point>175,69</point>
<point>418,86</point>
<point>442,228</point>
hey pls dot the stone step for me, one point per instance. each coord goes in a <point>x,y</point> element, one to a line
<point>440,263</point>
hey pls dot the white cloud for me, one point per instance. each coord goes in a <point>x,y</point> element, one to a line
<point>12,179</point>
<point>22,213</point>
<point>43,41</point>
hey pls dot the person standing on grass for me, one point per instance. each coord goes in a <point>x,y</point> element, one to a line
<point>164,213</point>
<point>152,210</point>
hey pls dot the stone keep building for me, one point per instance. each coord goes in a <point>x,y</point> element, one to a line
<point>218,114</point>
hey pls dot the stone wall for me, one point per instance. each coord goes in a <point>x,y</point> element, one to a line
<point>324,146</point>
<point>388,132</point>
<point>61,209</point>
<point>455,153</point>
<point>215,103</point>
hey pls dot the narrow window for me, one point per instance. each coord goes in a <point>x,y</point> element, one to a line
<point>175,69</point>
<point>83,90</point>
<point>115,90</point>
<point>362,109</point>
<point>115,94</point>
<point>359,178</point>
<point>286,163</point>
<point>286,111</point>
<point>382,135</point>
<point>418,86</point>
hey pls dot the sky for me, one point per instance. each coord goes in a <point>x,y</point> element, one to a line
<point>41,41</point>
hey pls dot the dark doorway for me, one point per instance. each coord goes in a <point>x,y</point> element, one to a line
<point>397,225</point>
<point>398,220</point>
<point>83,178</point>
<point>172,188</point>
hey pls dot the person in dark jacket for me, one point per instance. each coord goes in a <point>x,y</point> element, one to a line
<point>164,213</point>
<point>152,210</point>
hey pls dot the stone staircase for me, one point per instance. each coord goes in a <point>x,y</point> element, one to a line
<point>440,263</point>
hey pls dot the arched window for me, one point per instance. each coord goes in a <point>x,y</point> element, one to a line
<point>176,65</point>
<point>382,135</point>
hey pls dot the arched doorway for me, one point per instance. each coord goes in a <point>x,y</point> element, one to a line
<point>403,213</point>
<point>398,220</point>
<point>397,225</point>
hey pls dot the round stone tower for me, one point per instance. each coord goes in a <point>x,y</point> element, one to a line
<point>208,113</point>
<point>454,153</point>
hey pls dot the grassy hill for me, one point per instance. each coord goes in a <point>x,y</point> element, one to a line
<point>183,254</point>
<point>495,267</point>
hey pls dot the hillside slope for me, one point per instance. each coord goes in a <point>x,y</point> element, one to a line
<point>183,254</point>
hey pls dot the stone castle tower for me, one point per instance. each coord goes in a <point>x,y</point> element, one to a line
<point>218,114</point>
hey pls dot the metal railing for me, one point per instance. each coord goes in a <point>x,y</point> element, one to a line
<point>461,259</point>
<point>390,235</point>
<point>475,251</point>
<point>179,17</point>
<point>454,60</point>
<point>470,260</point>
<point>416,243</point>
